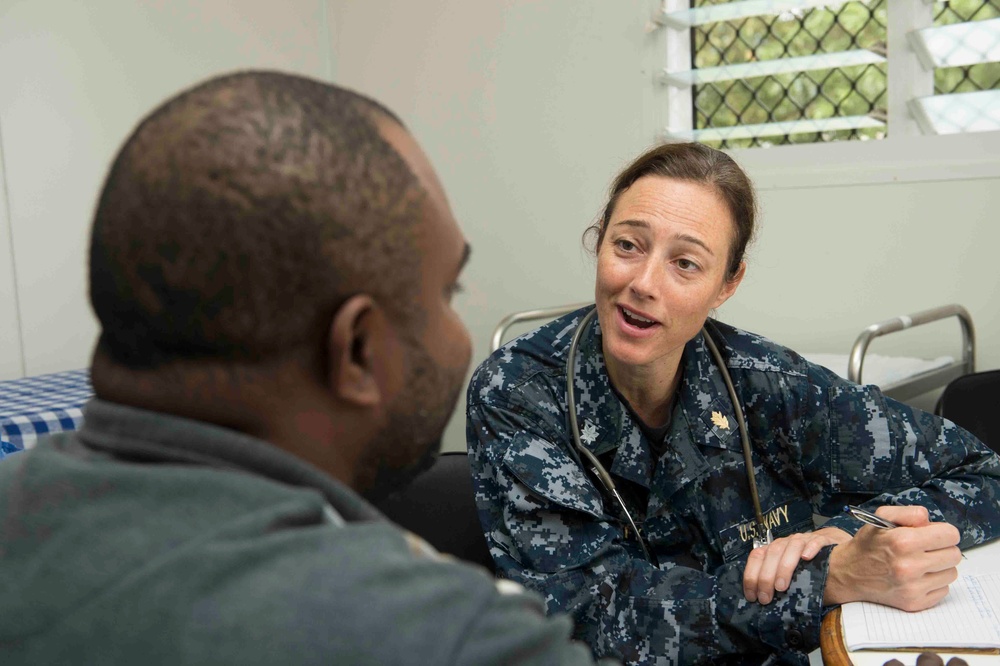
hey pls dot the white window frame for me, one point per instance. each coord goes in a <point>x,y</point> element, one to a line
<point>905,155</point>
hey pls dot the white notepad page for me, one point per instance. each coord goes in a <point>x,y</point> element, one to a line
<point>968,617</point>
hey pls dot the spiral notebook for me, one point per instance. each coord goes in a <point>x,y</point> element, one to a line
<point>969,617</point>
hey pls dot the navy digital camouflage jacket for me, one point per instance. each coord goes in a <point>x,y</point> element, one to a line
<point>819,442</point>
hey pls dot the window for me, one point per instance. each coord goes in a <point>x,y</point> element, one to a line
<point>963,51</point>
<point>746,73</point>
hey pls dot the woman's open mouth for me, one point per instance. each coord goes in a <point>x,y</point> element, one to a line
<point>635,319</point>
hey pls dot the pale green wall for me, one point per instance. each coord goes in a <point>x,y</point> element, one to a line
<point>526,107</point>
<point>74,78</point>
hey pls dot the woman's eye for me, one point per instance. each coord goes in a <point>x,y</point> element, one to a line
<point>625,245</point>
<point>687,265</point>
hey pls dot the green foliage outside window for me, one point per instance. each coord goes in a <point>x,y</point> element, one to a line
<point>845,91</point>
<point>985,76</point>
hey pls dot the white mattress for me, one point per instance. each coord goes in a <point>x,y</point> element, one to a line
<point>881,370</point>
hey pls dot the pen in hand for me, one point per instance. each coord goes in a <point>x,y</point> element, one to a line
<point>870,518</point>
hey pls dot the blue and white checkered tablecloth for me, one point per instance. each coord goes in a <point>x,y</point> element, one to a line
<point>39,405</point>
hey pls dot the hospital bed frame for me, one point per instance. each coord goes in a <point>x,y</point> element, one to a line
<point>900,390</point>
<point>926,381</point>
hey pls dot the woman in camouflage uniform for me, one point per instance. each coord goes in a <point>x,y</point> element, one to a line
<point>653,408</point>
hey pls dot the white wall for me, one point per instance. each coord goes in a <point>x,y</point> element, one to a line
<point>526,107</point>
<point>833,259</point>
<point>75,77</point>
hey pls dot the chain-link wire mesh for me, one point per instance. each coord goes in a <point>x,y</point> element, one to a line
<point>844,91</point>
<point>970,78</point>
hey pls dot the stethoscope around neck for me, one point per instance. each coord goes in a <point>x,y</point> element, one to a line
<point>762,534</point>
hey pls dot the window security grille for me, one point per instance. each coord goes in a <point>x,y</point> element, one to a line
<point>963,51</point>
<point>765,72</point>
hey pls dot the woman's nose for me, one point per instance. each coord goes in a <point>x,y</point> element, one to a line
<point>644,280</point>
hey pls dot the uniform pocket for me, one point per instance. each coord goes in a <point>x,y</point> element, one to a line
<point>553,514</point>
<point>550,472</point>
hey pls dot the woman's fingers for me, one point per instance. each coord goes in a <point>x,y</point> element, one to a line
<point>909,568</point>
<point>770,568</point>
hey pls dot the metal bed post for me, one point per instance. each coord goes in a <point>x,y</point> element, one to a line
<point>929,380</point>
<point>530,315</point>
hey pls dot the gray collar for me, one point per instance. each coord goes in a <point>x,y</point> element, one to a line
<point>145,436</point>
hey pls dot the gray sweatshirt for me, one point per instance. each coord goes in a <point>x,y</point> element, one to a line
<point>147,538</point>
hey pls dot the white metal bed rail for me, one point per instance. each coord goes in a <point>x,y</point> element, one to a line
<point>530,315</point>
<point>920,384</point>
<point>902,390</point>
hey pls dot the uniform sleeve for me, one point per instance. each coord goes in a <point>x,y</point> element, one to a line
<point>861,447</point>
<point>547,528</point>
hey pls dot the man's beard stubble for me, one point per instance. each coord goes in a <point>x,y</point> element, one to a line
<point>411,440</point>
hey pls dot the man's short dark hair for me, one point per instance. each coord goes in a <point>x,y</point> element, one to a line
<point>240,214</point>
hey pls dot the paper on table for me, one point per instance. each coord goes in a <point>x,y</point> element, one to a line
<point>969,617</point>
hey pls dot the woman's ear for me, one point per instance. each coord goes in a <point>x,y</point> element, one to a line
<point>730,285</point>
<point>352,343</point>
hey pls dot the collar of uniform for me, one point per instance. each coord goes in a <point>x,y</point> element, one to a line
<point>707,416</point>
<point>703,417</point>
<point>146,436</point>
<point>604,421</point>
<point>704,398</point>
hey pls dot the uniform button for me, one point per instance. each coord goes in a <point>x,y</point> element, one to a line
<point>794,637</point>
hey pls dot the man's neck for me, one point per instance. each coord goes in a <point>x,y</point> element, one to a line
<point>279,405</point>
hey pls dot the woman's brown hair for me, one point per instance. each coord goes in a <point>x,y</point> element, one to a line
<point>697,163</point>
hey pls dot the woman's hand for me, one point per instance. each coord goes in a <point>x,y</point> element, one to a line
<point>908,567</point>
<point>770,568</point>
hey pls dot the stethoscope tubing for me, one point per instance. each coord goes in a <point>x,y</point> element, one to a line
<point>605,478</point>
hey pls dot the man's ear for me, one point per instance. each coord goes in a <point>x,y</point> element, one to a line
<point>352,349</point>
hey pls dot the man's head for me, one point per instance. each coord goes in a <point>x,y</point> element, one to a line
<point>282,227</point>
